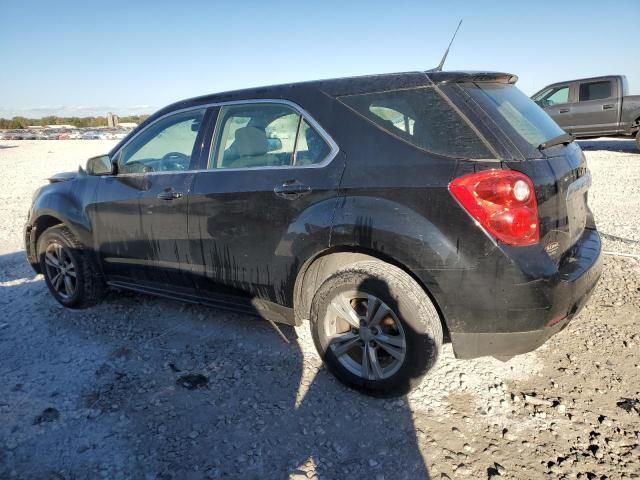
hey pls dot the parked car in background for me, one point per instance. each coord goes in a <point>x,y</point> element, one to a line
<point>383,209</point>
<point>593,107</point>
<point>99,133</point>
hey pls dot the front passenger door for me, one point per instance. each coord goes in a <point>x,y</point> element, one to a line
<point>557,103</point>
<point>156,167</point>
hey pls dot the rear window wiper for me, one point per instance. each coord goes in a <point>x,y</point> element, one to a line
<point>564,139</point>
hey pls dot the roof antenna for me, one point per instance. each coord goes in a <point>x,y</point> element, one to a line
<point>444,57</point>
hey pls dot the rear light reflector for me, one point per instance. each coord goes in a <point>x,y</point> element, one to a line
<point>503,202</point>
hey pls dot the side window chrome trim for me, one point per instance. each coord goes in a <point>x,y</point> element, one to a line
<point>333,147</point>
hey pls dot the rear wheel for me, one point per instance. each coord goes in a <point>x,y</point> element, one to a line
<point>376,328</point>
<point>70,274</point>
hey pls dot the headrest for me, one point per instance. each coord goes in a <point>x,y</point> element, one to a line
<point>251,141</point>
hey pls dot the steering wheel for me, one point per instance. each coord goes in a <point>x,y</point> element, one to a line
<point>175,161</point>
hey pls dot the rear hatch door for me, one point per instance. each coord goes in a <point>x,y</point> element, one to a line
<point>559,171</point>
<point>562,182</point>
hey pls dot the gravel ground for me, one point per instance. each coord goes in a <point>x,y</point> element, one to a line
<point>140,387</point>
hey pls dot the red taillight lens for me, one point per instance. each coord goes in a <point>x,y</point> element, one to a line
<point>503,202</point>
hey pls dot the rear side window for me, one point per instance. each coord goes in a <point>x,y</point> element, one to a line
<point>265,135</point>
<point>421,117</point>
<point>310,148</point>
<point>595,91</point>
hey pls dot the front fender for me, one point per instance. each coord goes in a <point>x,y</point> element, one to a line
<point>63,202</point>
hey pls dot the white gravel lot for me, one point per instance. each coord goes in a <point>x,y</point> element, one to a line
<point>94,393</point>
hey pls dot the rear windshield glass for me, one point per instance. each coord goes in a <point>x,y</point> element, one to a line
<point>421,117</point>
<point>522,115</point>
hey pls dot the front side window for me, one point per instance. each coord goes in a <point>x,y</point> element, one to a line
<point>265,135</point>
<point>595,91</point>
<point>421,117</point>
<point>552,96</point>
<point>166,145</point>
<point>557,96</point>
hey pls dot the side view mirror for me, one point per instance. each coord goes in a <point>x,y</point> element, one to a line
<point>100,165</point>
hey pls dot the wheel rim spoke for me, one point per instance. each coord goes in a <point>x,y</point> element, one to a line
<point>396,352</point>
<point>365,362</point>
<point>376,369</point>
<point>51,260</point>
<point>343,343</point>
<point>68,285</point>
<point>393,340</point>
<point>55,281</point>
<point>373,304</point>
<point>381,312</point>
<point>344,310</point>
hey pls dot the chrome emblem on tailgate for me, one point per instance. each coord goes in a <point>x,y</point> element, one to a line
<point>551,248</point>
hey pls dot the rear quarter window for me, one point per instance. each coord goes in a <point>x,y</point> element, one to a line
<point>595,91</point>
<point>521,117</point>
<point>421,117</point>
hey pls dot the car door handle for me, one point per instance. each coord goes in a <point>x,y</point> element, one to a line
<point>292,190</point>
<point>608,106</point>
<point>169,195</point>
<point>564,110</point>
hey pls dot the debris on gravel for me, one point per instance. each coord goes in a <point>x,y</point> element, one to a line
<point>49,414</point>
<point>193,381</point>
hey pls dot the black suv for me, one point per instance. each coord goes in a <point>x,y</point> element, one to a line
<point>388,210</point>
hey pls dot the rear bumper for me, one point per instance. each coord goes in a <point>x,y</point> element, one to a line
<point>557,300</point>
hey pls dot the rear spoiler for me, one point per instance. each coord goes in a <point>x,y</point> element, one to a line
<point>476,77</point>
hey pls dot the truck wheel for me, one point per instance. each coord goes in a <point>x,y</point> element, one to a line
<point>376,328</point>
<point>71,275</point>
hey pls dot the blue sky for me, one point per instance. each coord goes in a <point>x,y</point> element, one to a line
<point>86,58</point>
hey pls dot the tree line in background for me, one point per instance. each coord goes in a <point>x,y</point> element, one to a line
<point>80,122</point>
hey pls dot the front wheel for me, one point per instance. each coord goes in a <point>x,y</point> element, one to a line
<point>376,328</point>
<point>70,274</point>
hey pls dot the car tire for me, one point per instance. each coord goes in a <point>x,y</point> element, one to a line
<point>399,335</point>
<point>638,140</point>
<point>70,274</point>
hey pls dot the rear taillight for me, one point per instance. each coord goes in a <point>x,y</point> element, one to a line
<point>503,202</point>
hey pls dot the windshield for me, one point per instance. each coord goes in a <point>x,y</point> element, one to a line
<point>521,114</point>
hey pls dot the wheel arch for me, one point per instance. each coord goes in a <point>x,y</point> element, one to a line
<point>33,233</point>
<point>325,263</point>
<point>44,218</point>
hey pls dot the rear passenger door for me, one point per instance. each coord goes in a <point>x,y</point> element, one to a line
<point>597,108</point>
<point>265,201</point>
